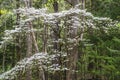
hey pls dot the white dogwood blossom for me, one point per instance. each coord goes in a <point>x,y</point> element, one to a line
<point>31,14</point>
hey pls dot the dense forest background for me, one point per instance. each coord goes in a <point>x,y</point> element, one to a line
<point>71,40</point>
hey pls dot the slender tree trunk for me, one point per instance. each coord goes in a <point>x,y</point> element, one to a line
<point>45,39</point>
<point>29,42</point>
<point>3,62</point>
<point>73,53</point>
<point>57,75</point>
<point>4,55</point>
<point>29,5</point>
<point>32,39</point>
<point>29,53</point>
<point>18,38</point>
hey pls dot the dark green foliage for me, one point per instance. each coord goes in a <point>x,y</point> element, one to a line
<point>105,8</point>
<point>102,58</point>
